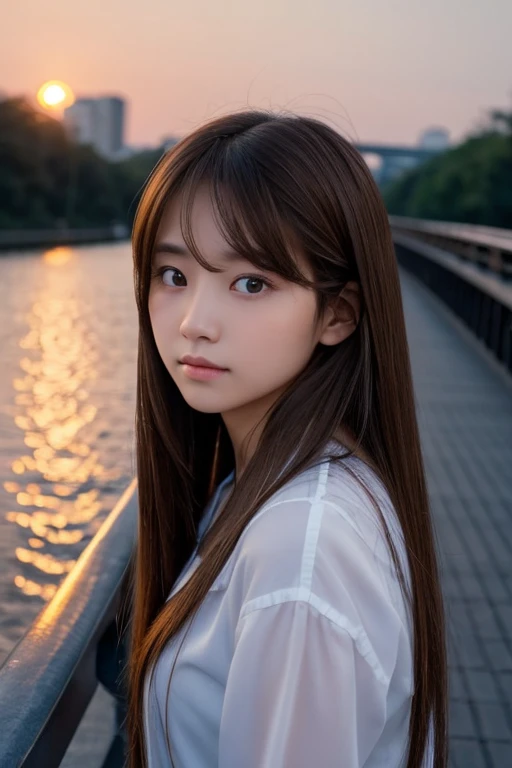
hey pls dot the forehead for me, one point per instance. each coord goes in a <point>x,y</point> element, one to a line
<point>203,224</point>
<point>208,238</point>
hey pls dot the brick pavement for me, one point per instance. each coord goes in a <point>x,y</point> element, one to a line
<point>465,410</point>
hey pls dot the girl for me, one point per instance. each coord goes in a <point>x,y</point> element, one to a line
<point>286,602</point>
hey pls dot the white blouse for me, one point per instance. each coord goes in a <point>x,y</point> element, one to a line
<point>301,653</point>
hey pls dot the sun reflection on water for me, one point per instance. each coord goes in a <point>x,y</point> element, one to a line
<point>56,486</point>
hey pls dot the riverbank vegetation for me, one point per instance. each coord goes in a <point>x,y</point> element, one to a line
<point>48,181</point>
<point>471,183</point>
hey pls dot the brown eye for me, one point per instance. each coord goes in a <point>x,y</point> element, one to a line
<point>175,278</point>
<point>252,284</point>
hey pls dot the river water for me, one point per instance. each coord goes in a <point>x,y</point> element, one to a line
<point>68,341</point>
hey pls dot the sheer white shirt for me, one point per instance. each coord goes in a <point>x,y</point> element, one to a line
<point>301,653</point>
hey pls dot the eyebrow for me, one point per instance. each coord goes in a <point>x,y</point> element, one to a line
<point>180,250</point>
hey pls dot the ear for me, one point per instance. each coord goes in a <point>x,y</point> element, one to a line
<point>342,316</point>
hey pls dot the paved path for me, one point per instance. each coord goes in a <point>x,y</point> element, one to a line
<point>465,412</point>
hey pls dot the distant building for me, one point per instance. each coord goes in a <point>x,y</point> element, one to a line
<point>434,138</point>
<point>98,122</point>
<point>79,119</point>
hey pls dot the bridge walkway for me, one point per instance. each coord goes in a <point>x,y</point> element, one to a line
<point>464,402</point>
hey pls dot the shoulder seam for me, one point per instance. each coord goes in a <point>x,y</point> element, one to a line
<point>313,529</point>
<point>304,595</point>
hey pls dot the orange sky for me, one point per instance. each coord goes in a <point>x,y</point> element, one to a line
<point>377,69</point>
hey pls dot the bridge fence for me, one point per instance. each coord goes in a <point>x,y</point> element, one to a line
<point>469,268</point>
<point>49,678</point>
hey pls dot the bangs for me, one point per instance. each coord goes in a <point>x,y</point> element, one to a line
<point>251,220</point>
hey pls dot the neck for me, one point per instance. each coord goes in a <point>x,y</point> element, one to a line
<point>245,425</point>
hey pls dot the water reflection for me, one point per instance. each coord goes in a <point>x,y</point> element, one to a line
<point>56,485</point>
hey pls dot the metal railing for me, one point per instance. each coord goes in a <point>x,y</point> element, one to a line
<point>467,267</point>
<point>488,247</point>
<point>48,680</point>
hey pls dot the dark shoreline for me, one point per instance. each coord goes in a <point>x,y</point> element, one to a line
<point>22,240</point>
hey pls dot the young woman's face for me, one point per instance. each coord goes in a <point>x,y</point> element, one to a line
<point>255,325</point>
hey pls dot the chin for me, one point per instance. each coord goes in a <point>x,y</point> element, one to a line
<point>204,404</point>
<point>204,408</point>
<point>212,404</point>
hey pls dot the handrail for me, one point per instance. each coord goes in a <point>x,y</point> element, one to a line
<point>482,298</point>
<point>489,247</point>
<point>489,283</point>
<point>49,678</point>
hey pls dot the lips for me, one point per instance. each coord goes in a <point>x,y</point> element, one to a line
<point>200,362</point>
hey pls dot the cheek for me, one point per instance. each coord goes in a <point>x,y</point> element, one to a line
<point>294,326</point>
<point>154,316</point>
<point>283,336</point>
<point>161,320</point>
<point>153,306</point>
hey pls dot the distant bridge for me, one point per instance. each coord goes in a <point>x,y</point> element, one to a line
<point>397,159</point>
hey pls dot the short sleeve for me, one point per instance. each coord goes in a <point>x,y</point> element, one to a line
<point>298,693</point>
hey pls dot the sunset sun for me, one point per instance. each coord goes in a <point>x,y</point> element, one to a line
<point>55,94</point>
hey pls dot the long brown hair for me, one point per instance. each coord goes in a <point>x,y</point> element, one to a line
<point>278,181</point>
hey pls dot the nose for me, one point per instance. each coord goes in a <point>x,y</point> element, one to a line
<point>201,318</point>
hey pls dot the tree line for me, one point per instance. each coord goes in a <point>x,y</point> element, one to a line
<point>48,181</point>
<point>470,183</point>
